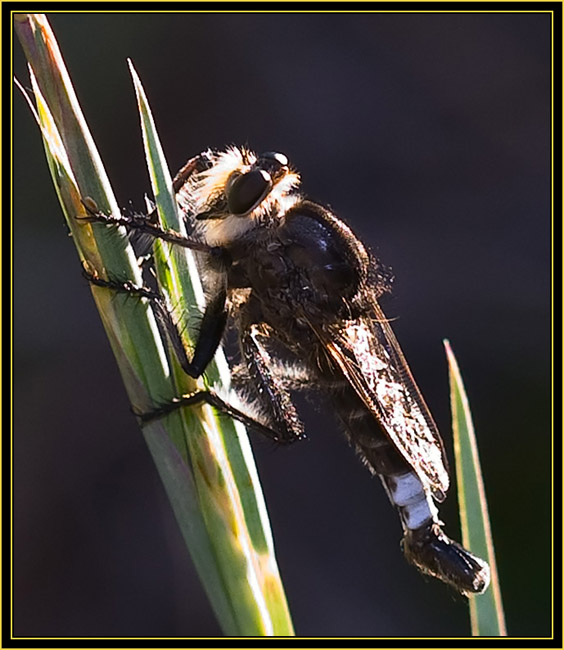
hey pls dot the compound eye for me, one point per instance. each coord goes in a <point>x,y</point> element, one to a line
<point>275,157</point>
<point>276,164</point>
<point>246,191</point>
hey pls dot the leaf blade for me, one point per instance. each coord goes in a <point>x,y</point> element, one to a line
<point>243,549</point>
<point>486,610</point>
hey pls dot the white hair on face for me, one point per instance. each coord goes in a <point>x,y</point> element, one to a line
<point>279,196</point>
<point>201,191</point>
<point>212,182</point>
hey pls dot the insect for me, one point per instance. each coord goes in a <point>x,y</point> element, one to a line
<point>303,293</point>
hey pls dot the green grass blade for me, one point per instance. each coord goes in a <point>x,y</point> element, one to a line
<point>486,610</point>
<point>130,327</point>
<point>177,479</point>
<point>245,559</point>
<point>77,173</point>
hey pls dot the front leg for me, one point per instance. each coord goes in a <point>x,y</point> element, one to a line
<point>149,224</point>
<point>146,226</point>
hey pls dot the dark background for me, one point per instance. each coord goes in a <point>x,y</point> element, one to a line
<point>430,134</point>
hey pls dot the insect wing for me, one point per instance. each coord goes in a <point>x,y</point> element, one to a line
<point>368,354</point>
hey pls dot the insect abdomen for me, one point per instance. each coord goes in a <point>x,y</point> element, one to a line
<point>402,484</point>
<point>424,544</point>
<point>415,505</point>
<point>435,554</point>
<point>370,442</point>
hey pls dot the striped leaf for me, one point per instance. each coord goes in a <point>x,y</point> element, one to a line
<point>486,610</point>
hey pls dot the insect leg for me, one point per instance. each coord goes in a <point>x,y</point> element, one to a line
<point>143,224</point>
<point>211,398</point>
<point>271,397</point>
<point>198,163</point>
<point>149,224</point>
<point>212,327</point>
<point>289,375</point>
<point>211,332</point>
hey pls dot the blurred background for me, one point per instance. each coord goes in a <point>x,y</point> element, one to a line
<point>430,135</point>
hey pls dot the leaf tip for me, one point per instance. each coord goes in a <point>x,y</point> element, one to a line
<point>133,71</point>
<point>451,359</point>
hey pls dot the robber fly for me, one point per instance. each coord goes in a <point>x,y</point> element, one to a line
<point>303,292</point>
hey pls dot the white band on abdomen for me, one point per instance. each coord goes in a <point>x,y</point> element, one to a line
<point>415,504</point>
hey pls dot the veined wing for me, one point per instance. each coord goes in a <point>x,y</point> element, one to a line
<point>368,354</point>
